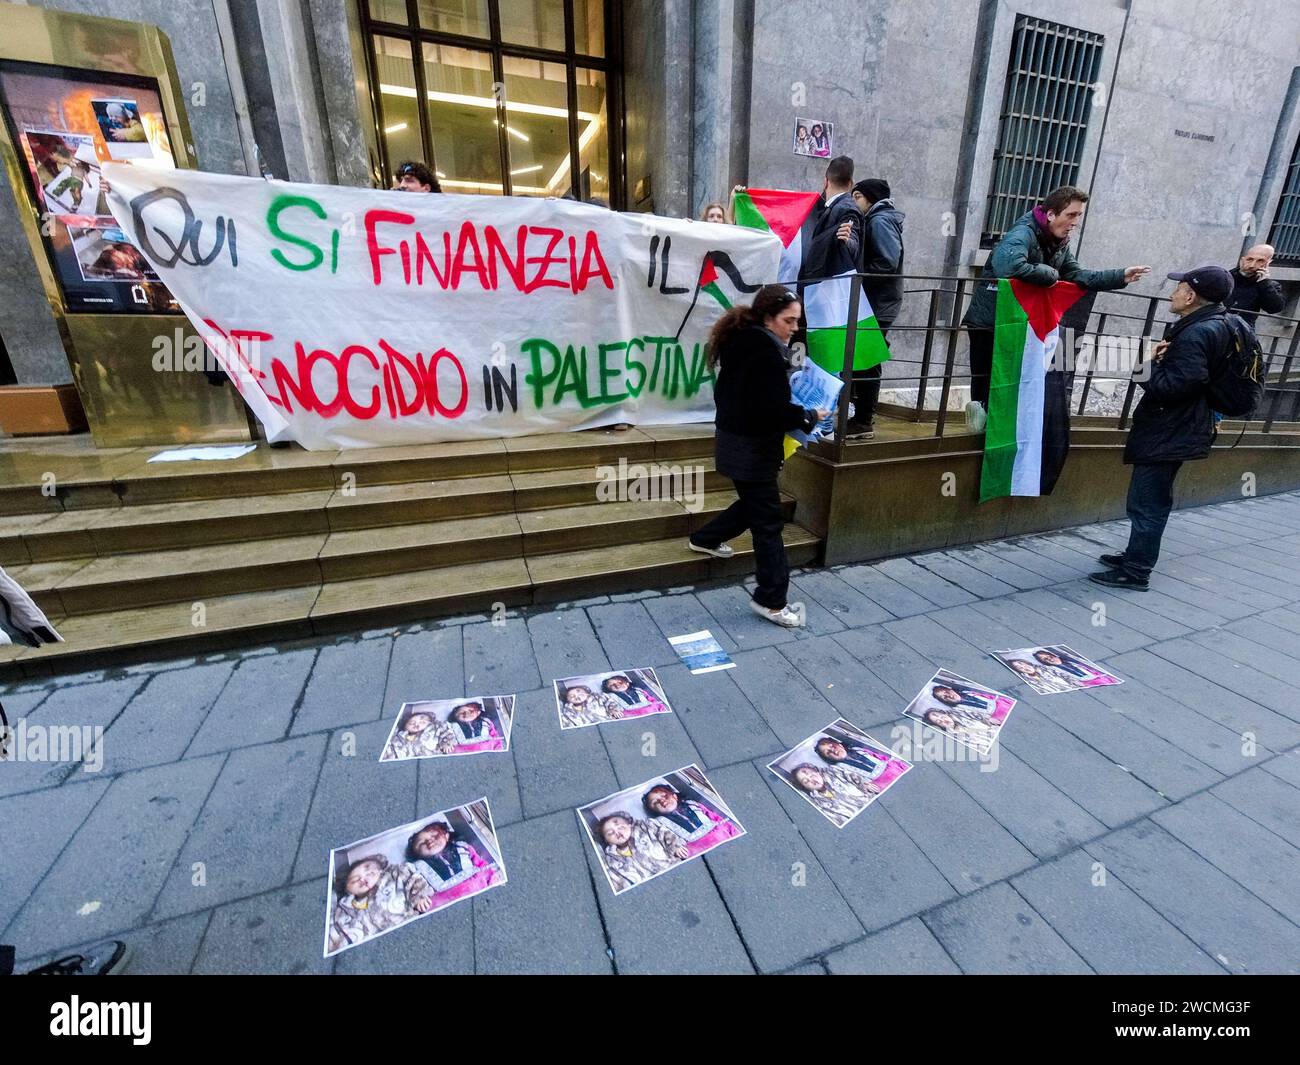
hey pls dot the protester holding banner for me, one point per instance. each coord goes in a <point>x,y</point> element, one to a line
<point>714,212</point>
<point>748,349</point>
<point>415,177</point>
<point>830,251</point>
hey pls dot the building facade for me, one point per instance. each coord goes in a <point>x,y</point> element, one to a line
<point>1181,117</point>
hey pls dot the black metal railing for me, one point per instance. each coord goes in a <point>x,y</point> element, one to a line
<point>929,335</point>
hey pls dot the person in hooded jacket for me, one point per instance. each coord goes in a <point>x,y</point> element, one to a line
<point>1173,422</point>
<point>749,352</point>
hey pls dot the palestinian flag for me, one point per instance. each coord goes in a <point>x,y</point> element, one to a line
<point>1027,436</point>
<point>825,303</point>
<point>782,213</point>
<point>716,265</point>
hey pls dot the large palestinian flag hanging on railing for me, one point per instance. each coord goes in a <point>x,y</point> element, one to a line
<point>826,303</point>
<point>1027,436</point>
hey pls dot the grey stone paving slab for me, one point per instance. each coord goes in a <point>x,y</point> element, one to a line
<point>1271,731</point>
<point>997,931</point>
<point>889,658</point>
<point>945,649</point>
<point>565,645</point>
<point>346,686</point>
<point>1041,817</point>
<point>1256,858</point>
<point>557,768</point>
<point>34,830</point>
<point>1246,654</point>
<point>962,839</point>
<point>879,871</point>
<point>629,634</point>
<point>1266,799</point>
<point>551,893</point>
<point>1164,765</point>
<point>1108,792</point>
<point>646,746</point>
<point>165,949</point>
<point>1063,615</point>
<point>849,605</point>
<point>880,588</point>
<point>1222,583</point>
<point>677,615</point>
<point>499,658</point>
<point>810,969</point>
<point>1246,580</point>
<point>441,944</point>
<point>1052,565</point>
<point>674,924</point>
<point>929,583</point>
<point>355,796</point>
<point>161,719</point>
<point>1237,677</point>
<point>1019,626</point>
<point>1207,607</point>
<point>91,892</point>
<point>721,722</point>
<point>1283,618</point>
<point>1065,550</point>
<point>1285,767</point>
<point>1122,607</point>
<point>1267,635</point>
<point>1110,927</point>
<point>1278,570</point>
<point>1231,925</point>
<point>256,705</point>
<point>427,665</point>
<point>84,706</point>
<point>907,949</point>
<point>248,833</point>
<point>950,566</point>
<point>447,782</point>
<point>792,705</point>
<point>1000,565</point>
<point>784,902</point>
<point>280,932</point>
<point>844,680</point>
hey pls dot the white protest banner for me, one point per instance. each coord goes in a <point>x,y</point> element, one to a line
<point>362,318</point>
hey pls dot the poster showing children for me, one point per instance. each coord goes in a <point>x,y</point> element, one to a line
<point>379,884</point>
<point>105,254</point>
<point>656,826</point>
<point>701,652</point>
<point>599,697</point>
<point>1055,669</point>
<point>813,137</point>
<point>124,132</point>
<point>840,770</point>
<point>970,713</point>
<point>434,728</point>
<point>67,173</point>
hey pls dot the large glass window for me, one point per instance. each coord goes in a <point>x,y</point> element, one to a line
<point>507,96</point>
<point>1285,234</point>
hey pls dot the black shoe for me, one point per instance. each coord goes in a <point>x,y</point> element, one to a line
<point>1112,578</point>
<point>104,959</point>
<point>860,431</point>
<point>1113,561</point>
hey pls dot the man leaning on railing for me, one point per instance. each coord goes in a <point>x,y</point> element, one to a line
<point>1035,249</point>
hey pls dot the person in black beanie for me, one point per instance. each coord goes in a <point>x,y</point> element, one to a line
<point>749,352</point>
<point>881,254</point>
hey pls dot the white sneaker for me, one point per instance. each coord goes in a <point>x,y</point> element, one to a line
<point>721,551</point>
<point>784,617</point>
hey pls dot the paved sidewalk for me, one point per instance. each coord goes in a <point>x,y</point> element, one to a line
<point>1149,827</point>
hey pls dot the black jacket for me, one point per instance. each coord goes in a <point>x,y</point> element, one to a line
<point>1173,421</point>
<point>752,393</point>
<point>882,253</point>
<point>1249,296</point>
<point>827,255</point>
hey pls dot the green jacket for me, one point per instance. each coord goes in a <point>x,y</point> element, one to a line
<point>1022,253</point>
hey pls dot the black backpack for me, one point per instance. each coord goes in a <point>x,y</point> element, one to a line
<point>1237,388</point>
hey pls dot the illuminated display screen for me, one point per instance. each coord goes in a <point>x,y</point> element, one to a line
<point>64,124</point>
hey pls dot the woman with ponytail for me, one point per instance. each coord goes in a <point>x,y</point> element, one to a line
<point>748,352</point>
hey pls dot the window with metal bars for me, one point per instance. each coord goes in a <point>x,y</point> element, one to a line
<point>1285,234</point>
<point>1044,121</point>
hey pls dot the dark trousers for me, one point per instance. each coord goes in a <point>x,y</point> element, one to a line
<point>981,363</point>
<point>758,509</point>
<point>1150,499</point>
<point>866,389</point>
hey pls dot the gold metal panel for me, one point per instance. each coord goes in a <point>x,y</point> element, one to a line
<point>126,400</point>
<point>129,402</point>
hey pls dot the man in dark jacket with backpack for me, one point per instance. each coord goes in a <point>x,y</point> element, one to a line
<point>1174,422</point>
